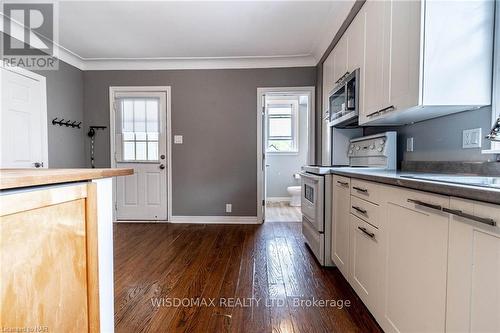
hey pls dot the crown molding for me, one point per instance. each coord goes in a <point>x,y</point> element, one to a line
<point>199,63</point>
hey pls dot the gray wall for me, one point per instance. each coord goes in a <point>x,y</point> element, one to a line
<point>440,139</point>
<point>282,166</point>
<point>65,100</point>
<point>215,111</point>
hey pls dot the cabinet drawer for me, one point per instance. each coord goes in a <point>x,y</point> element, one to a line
<point>366,190</point>
<point>340,181</point>
<point>366,211</point>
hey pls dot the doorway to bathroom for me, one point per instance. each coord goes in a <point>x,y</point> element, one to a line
<point>285,126</point>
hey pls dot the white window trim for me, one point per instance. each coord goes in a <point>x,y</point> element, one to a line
<point>295,127</point>
<point>495,108</point>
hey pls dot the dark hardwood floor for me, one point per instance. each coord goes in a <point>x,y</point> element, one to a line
<point>169,263</point>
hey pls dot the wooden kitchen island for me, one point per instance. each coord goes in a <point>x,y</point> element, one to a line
<point>56,249</point>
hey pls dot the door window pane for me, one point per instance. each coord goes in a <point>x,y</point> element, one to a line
<point>128,151</point>
<point>140,128</point>
<point>152,151</point>
<point>140,150</point>
<point>280,127</point>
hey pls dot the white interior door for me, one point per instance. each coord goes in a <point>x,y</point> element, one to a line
<point>23,119</point>
<point>141,144</point>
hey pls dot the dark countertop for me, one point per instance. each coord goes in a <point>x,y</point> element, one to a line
<point>398,178</point>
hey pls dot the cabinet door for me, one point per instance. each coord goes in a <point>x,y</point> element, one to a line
<point>473,297</point>
<point>374,59</point>
<point>404,54</point>
<point>53,282</point>
<point>356,43</point>
<point>340,223</point>
<point>415,254</point>
<point>365,265</point>
<point>340,59</point>
<point>327,80</point>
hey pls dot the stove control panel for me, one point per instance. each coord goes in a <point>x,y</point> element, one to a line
<point>378,150</point>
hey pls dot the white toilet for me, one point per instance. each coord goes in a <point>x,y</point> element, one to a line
<point>294,192</point>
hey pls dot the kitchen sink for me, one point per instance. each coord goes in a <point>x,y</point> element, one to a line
<point>457,179</point>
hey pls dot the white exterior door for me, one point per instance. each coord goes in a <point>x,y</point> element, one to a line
<point>141,144</point>
<point>23,119</point>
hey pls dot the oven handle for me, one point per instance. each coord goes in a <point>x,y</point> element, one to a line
<point>310,176</point>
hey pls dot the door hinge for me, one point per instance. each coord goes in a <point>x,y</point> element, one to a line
<point>263,202</point>
<point>116,206</point>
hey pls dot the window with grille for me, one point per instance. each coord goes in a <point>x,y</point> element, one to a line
<point>282,127</point>
<point>140,126</point>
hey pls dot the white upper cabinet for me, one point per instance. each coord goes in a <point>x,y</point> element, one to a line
<point>356,43</point>
<point>340,59</point>
<point>327,80</point>
<point>425,59</point>
<point>372,91</point>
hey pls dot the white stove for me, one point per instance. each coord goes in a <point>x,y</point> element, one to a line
<point>375,152</point>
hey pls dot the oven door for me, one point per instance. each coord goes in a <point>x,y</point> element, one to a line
<point>312,199</point>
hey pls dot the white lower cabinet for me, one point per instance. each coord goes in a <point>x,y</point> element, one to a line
<point>473,303</point>
<point>415,253</point>
<point>365,245</point>
<point>424,262</point>
<point>340,223</point>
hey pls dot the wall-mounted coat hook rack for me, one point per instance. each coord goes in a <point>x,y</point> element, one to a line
<point>92,130</point>
<point>67,123</point>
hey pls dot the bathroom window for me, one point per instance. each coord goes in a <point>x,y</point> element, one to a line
<point>282,126</point>
<point>140,128</point>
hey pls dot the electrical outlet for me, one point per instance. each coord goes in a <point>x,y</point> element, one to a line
<point>409,144</point>
<point>229,208</point>
<point>471,138</point>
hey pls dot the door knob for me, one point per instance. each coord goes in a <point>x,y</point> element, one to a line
<point>162,166</point>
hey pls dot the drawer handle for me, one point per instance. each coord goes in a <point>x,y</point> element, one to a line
<point>425,204</point>
<point>369,234</point>
<point>364,190</point>
<point>361,210</point>
<point>470,217</point>
<point>389,108</point>
<point>342,183</point>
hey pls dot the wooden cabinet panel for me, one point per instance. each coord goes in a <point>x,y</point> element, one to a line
<point>340,224</point>
<point>473,301</point>
<point>415,254</point>
<point>49,260</point>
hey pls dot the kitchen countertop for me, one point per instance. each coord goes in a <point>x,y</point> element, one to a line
<point>16,178</point>
<point>398,178</point>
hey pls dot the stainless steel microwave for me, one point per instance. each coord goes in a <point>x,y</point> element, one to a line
<point>343,101</point>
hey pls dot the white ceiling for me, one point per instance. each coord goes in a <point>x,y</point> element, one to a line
<point>188,34</point>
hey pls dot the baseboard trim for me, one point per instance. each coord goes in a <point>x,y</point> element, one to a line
<point>216,219</point>
<point>278,199</point>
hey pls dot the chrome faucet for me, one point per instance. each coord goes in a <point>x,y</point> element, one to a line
<point>495,132</point>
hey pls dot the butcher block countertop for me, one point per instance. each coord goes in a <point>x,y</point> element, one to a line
<point>16,178</point>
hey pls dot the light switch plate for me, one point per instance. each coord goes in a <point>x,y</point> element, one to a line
<point>471,138</point>
<point>409,144</point>
<point>178,139</point>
